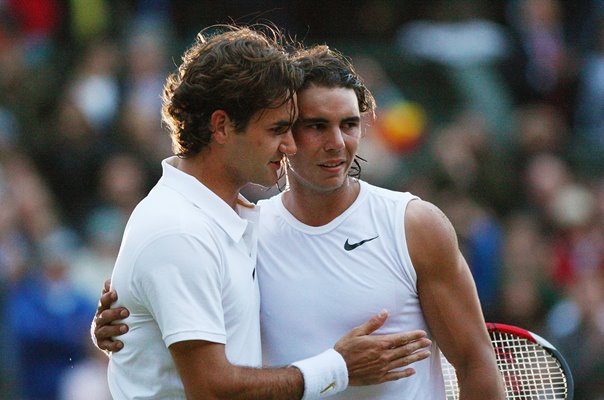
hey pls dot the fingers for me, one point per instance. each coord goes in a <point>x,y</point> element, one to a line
<point>386,355</point>
<point>403,357</point>
<point>409,348</point>
<point>110,345</point>
<point>106,286</point>
<point>104,330</point>
<point>370,326</point>
<point>105,333</point>
<point>390,359</point>
<point>406,361</point>
<point>396,375</point>
<point>108,316</point>
<point>105,301</point>
<point>400,339</point>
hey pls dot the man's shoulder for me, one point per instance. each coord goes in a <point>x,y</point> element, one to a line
<point>163,213</point>
<point>425,214</point>
<point>387,194</point>
<point>430,234</point>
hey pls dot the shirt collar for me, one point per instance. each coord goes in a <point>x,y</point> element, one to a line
<point>232,222</point>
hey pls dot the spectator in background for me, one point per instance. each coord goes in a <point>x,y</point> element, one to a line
<point>543,177</point>
<point>539,128</point>
<point>36,207</point>
<point>145,138</point>
<point>579,319</point>
<point>470,48</point>
<point>598,188</point>
<point>39,297</point>
<point>536,167</point>
<point>589,113</point>
<point>37,23</point>
<point>48,320</point>
<point>466,160</point>
<point>14,247</point>
<point>15,254</point>
<point>146,55</point>
<point>72,172</point>
<point>13,65</point>
<point>542,68</point>
<point>94,89</point>
<point>526,290</point>
<point>122,184</point>
<point>579,242</point>
<point>140,128</point>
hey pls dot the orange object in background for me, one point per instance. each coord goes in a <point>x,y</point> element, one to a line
<point>402,126</point>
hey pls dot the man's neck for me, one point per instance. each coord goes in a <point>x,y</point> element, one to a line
<point>317,208</point>
<point>211,173</point>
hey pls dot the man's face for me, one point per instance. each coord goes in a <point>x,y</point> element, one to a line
<point>256,152</point>
<point>327,135</point>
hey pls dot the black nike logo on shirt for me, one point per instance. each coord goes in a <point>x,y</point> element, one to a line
<point>352,246</point>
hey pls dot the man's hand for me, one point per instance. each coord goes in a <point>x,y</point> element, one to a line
<point>371,359</point>
<point>103,328</point>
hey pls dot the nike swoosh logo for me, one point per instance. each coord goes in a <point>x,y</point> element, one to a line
<point>332,385</point>
<point>352,246</point>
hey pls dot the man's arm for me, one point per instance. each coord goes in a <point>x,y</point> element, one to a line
<point>207,374</point>
<point>449,301</point>
<point>370,359</point>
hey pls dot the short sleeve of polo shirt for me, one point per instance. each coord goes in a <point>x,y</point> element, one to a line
<point>178,278</point>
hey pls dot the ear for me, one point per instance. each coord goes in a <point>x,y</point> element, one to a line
<point>220,124</point>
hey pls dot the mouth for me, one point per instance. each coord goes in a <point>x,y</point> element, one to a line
<point>332,164</point>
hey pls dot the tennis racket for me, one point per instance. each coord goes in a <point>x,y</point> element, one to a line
<point>530,366</point>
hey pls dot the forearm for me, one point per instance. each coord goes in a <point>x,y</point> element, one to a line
<point>242,383</point>
<point>207,374</point>
<point>480,382</point>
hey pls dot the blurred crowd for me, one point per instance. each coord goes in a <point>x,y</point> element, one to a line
<point>493,110</point>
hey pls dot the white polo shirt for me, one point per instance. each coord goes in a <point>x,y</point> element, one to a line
<point>186,271</point>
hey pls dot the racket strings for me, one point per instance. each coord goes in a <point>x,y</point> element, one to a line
<point>528,370</point>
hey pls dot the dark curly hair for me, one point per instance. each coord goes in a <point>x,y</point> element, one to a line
<point>240,70</point>
<point>327,67</point>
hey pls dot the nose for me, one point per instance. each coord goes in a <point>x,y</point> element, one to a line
<point>335,140</point>
<point>288,145</point>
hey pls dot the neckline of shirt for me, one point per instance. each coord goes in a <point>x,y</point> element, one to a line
<point>331,225</point>
<point>233,222</point>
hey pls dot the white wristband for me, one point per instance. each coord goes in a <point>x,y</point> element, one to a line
<point>324,375</point>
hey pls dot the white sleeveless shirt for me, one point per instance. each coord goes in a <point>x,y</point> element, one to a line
<point>317,283</point>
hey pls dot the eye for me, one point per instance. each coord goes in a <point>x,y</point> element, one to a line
<point>281,130</point>
<point>350,125</point>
